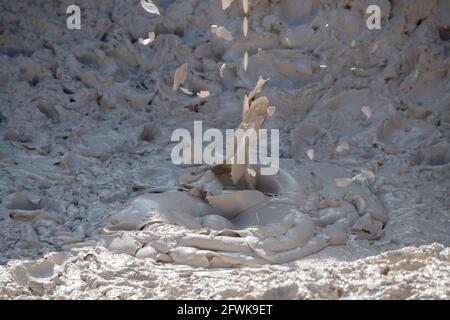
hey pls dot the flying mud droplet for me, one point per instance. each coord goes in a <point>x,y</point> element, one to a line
<point>367,111</point>
<point>245,26</point>
<point>150,39</point>
<point>180,76</point>
<point>222,70</point>
<point>226,4</point>
<point>286,42</point>
<point>310,154</point>
<point>342,146</point>
<point>221,32</point>
<point>150,7</point>
<point>186,91</point>
<point>144,41</point>
<point>245,61</point>
<point>356,69</point>
<point>342,182</point>
<point>245,6</point>
<point>203,94</point>
<point>151,36</point>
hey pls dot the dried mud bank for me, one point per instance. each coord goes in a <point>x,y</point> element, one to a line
<point>85,122</point>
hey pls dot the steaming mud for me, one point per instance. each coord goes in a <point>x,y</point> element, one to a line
<point>91,206</point>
